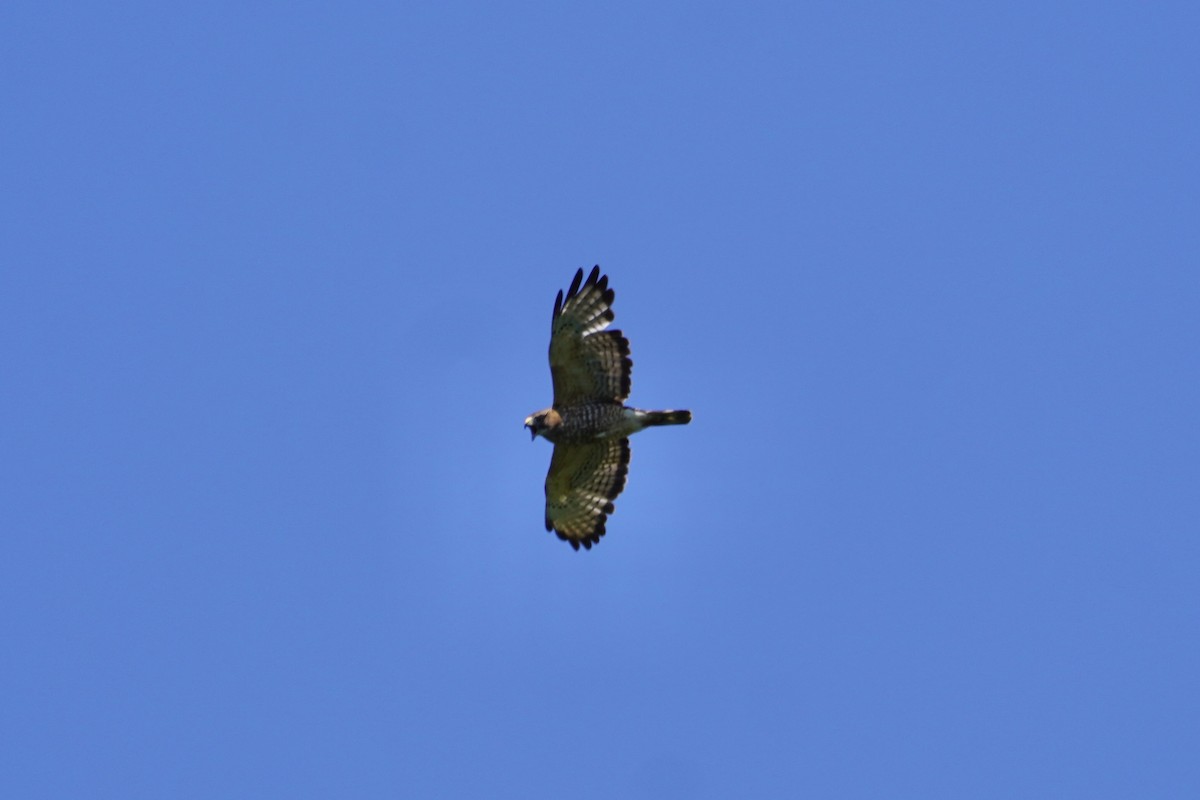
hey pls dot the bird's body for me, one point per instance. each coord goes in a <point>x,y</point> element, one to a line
<point>589,424</point>
<point>591,421</point>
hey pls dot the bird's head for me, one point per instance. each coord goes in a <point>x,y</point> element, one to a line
<point>542,422</point>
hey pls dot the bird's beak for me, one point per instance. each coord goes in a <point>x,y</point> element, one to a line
<point>532,432</point>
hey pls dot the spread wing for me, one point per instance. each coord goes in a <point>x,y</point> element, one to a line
<point>582,482</point>
<point>588,364</point>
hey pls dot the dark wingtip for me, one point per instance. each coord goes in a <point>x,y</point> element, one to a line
<point>574,289</point>
<point>558,304</point>
<point>593,276</point>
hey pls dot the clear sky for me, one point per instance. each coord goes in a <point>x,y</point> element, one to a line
<point>275,294</point>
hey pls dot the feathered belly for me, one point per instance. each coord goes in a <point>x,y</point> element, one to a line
<point>590,422</point>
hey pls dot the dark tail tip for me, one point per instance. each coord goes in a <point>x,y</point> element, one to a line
<point>669,418</point>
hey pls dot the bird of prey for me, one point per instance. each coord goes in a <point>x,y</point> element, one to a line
<point>589,423</point>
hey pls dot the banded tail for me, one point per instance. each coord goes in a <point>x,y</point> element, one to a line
<point>667,418</point>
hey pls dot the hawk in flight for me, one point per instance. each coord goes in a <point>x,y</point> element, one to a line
<point>589,424</point>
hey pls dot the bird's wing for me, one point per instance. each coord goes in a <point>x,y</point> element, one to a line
<point>587,363</point>
<point>582,482</point>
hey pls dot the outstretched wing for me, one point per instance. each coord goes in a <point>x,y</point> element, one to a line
<point>582,482</point>
<point>588,364</point>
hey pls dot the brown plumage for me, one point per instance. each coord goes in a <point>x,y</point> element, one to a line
<point>589,424</point>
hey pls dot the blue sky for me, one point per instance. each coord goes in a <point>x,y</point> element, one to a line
<point>275,297</point>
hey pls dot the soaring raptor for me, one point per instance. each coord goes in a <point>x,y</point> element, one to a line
<point>589,424</point>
